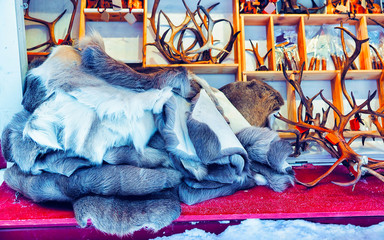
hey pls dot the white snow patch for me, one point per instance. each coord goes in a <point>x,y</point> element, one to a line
<point>285,230</point>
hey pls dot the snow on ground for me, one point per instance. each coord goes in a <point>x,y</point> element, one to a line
<point>284,230</point>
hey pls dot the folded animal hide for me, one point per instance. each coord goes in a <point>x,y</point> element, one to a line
<point>126,147</point>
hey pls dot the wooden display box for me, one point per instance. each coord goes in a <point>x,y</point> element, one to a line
<point>152,58</point>
<point>270,22</point>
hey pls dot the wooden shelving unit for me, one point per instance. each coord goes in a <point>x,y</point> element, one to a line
<point>224,68</point>
<point>94,14</point>
<point>270,22</point>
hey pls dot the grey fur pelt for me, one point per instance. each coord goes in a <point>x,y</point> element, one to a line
<point>255,100</point>
<point>267,158</point>
<point>88,136</point>
<point>95,61</point>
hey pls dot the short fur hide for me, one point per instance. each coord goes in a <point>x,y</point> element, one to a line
<point>125,147</point>
<point>255,100</point>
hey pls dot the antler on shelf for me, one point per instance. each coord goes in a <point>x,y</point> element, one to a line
<point>332,139</point>
<point>51,28</point>
<point>200,51</point>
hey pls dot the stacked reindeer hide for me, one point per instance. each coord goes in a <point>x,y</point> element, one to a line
<point>126,147</point>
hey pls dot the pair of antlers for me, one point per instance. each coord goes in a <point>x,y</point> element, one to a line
<point>333,140</point>
<point>51,28</point>
<point>179,54</point>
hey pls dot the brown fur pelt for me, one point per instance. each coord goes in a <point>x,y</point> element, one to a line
<point>255,100</point>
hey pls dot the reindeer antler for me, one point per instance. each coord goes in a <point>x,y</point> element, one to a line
<point>51,28</point>
<point>332,140</point>
<point>201,54</point>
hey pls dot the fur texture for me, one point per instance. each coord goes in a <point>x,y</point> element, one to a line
<point>95,61</point>
<point>122,216</point>
<point>88,136</point>
<point>254,99</point>
<point>107,180</point>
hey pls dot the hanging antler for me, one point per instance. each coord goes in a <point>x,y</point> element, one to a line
<point>51,28</point>
<point>191,54</point>
<point>332,140</point>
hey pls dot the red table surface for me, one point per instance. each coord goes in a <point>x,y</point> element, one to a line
<point>324,200</point>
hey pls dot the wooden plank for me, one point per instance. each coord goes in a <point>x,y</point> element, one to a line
<point>92,14</point>
<point>291,102</point>
<point>256,19</point>
<point>380,89</point>
<point>362,33</point>
<point>241,53</point>
<point>271,44</point>
<point>286,20</point>
<point>83,3</point>
<point>145,32</point>
<point>337,94</point>
<point>301,43</point>
<point>237,25</point>
<point>205,68</point>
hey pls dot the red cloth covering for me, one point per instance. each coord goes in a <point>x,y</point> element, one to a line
<point>324,200</point>
<point>3,163</point>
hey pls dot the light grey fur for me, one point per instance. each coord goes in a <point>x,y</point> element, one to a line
<point>107,180</point>
<point>267,157</point>
<point>96,62</point>
<point>17,147</point>
<point>88,109</point>
<point>149,158</point>
<point>64,163</point>
<point>124,216</point>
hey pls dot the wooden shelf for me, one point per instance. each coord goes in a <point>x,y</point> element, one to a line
<point>92,14</point>
<point>228,67</point>
<point>314,75</point>
<point>33,55</point>
<point>205,68</point>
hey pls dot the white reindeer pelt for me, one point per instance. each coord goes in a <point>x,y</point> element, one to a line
<point>97,133</point>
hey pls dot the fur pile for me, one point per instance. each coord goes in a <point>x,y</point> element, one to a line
<point>125,147</point>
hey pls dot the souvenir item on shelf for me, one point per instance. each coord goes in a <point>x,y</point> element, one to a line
<point>52,41</point>
<point>254,6</point>
<point>103,4</point>
<point>200,23</point>
<point>260,60</point>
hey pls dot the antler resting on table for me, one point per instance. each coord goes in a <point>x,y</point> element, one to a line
<point>201,28</point>
<point>333,140</point>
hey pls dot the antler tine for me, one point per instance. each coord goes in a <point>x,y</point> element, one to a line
<point>353,99</point>
<point>357,177</point>
<point>51,27</point>
<point>325,116</point>
<point>378,55</point>
<point>374,173</point>
<point>208,41</point>
<point>349,60</point>
<point>296,85</point>
<point>378,23</point>
<point>67,39</point>
<point>153,16</point>
<point>325,145</point>
<point>256,53</point>
<point>301,124</point>
<point>204,19</point>
<point>337,111</point>
<point>314,182</point>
